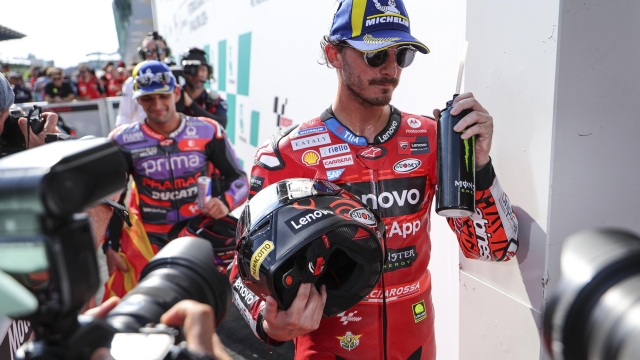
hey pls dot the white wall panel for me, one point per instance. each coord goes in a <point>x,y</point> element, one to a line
<point>511,71</point>
<point>597,122</point>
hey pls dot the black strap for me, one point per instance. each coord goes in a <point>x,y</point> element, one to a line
<point>121,210</point>
<point>176,228</point>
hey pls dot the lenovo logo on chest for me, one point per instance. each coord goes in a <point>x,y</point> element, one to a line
<point>392,197</point>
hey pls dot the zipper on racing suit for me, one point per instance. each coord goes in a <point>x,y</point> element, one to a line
<point>173,185</point>
<point>382,213</point>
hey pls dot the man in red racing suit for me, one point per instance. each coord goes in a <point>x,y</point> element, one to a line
<point>395,175</point>
<point>388,159</point>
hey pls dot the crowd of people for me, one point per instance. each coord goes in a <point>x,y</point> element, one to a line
<point>53,84</point>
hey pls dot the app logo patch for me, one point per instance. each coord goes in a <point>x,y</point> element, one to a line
<point>349,341</point>
<point>419,311</point>
<point>311,158</point>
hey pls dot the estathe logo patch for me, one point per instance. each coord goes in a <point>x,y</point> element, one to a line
<point>349,341</point>
<point>338,161</point>
<point>419,311</point>
<point>258,257</point>
<point>311,158</point>
<point>310,141</point>
<point>406,165</point>
<point>363,216</point>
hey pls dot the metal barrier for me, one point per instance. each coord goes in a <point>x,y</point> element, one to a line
<point>89,117</point>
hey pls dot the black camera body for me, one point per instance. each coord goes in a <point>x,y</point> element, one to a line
<point>12,140</point>
<point>48,248</point>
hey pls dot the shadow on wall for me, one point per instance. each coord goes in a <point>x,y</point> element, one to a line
<point>532,239</point>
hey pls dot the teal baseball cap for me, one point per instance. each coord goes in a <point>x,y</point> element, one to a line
<point>372,25</point>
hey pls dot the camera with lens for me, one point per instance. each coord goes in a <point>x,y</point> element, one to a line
<point>594,313</point>
<point>47,248</point>
<point>12,140</point>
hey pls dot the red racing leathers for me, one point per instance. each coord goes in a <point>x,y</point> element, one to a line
<point>396,177</point>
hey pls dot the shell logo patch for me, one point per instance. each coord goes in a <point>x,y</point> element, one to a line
<point>419,311</point>
<point>311,158</point>
<point>349,341</point>
<point>258,257</point>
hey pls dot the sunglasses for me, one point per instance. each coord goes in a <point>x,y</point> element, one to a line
<point>404,57</point>
<point>149,52</point>
<point>145,80</point>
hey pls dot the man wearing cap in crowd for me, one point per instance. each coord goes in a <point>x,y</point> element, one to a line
<point>166,154</point>
<point>195,100</point>
<point>357,143</point>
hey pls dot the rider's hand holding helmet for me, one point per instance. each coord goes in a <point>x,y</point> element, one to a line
<point>301,231</point>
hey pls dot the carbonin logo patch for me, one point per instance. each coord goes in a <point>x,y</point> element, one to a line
<point>258,257</point>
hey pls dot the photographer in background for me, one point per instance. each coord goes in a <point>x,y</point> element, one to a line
<point>58,90</point>
<point>195,100</point>
<point>152,47</point>
<point>33,140</point>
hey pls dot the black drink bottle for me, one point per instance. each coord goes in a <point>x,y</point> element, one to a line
<point>455,194</point>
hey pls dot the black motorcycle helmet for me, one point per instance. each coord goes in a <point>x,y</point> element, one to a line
<point>304,231</point>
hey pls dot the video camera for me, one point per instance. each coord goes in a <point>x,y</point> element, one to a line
<point>12,139</point>
<point>47,247</point>
<point>595,312</point>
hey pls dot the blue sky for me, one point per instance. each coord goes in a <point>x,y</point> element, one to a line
<point>61,30</point>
